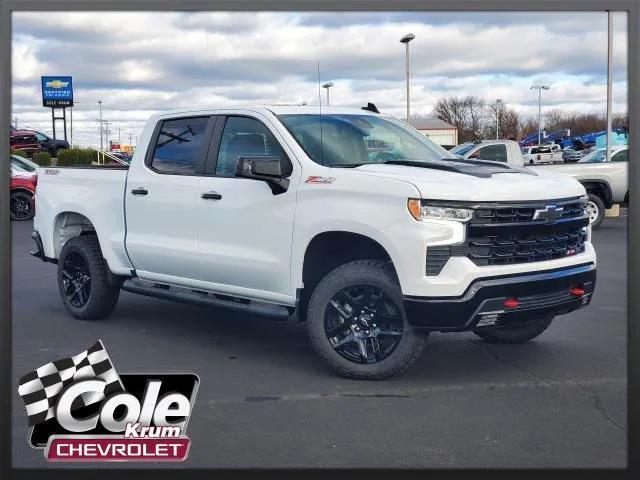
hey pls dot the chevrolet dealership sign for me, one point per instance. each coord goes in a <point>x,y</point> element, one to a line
<point>57,92</point>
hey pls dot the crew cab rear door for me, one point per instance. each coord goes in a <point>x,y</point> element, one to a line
<point>244,229</point>
<point>161,200</point>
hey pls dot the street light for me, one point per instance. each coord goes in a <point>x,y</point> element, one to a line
<point>539,87</point>
<point>498,102</point>
<point>327,85</point>
<point>406,39</point>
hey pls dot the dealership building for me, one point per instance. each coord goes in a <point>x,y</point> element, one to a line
<point>437,130</point>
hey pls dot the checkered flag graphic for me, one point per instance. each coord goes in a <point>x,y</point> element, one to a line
<point>40,389</point>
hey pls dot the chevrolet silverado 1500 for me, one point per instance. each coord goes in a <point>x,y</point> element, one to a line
<point>373,234</point>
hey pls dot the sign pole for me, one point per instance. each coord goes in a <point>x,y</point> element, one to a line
<point>53,121</point>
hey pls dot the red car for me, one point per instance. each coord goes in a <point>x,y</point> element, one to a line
<point>24,140</point>
<point>22,190</point>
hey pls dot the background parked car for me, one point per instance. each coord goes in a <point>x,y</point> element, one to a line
<point>24,140</point>
<point>569,155</point>
<point>22,192</point>
<point>51,145</point>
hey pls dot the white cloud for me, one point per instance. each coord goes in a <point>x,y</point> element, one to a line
<point>138,63</point>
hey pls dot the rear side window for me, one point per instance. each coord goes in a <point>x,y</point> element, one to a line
<point>180,146</point>
<point>497,153</point>
<point>244,137</point>
<point>621,156</point>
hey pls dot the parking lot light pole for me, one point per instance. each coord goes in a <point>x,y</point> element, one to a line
<point>540,88</point>
<point>406,39</point>
<point>327,85</point>
<point>498,102</point>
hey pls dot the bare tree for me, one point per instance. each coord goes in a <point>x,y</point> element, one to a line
<point>465,113</point>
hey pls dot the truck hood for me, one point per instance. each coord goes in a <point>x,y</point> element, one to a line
<point>509,185</point>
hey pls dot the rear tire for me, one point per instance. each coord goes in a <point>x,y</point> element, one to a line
<point>82,280</point>
<point>371,293</point>
<point>595,209</point>
<point>514,334</point>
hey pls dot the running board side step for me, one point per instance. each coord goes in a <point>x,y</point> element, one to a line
<point>185,295</point>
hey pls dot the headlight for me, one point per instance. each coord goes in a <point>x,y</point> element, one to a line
<point>421,210</point>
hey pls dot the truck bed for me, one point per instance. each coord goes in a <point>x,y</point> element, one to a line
<point>96,192</point>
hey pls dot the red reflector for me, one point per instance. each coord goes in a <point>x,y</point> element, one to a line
<point>577,291</point>
<point>511,303</point>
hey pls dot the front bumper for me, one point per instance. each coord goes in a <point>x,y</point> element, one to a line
<point>539,294</point>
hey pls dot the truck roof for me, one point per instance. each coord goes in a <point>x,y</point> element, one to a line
<point>275,109</point>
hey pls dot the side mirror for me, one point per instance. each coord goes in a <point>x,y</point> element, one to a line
<point>267,169</point>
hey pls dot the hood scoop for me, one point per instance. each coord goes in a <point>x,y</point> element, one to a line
<point>474,168</point>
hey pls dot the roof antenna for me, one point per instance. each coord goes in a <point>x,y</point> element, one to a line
<point>320,108</point>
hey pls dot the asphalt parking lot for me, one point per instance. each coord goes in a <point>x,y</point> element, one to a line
<point>266,400</point>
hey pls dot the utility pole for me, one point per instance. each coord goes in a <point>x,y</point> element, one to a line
<point>15,122</point>
<point>119,141</point>
<point>106,134</point>
<point>406,39</point>
<point>609,83</point>
<point>100,107</point>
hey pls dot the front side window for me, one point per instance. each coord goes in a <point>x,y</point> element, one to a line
<point>180,146</point>
<point>497,153</point>
<point>594,157</point>
<point>41,137</point>
<point>244,137</point>
<point>350,140</point>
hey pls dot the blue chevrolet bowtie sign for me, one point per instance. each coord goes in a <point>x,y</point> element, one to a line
<point>57,92</point>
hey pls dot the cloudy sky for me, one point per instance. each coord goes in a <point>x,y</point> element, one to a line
<point>142,63</point>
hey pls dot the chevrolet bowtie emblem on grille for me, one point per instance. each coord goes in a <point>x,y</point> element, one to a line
<point>550,213</point>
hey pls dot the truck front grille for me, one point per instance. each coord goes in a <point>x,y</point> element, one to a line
<point>512,246</point>
<point>505,234</point>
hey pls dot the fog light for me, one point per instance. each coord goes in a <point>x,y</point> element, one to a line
<point>511,303</point>
<point>576,291</point>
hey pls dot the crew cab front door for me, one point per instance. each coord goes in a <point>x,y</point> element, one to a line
<point>244,229</point>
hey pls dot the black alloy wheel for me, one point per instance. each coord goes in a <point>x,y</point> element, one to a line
<point>76,279</point>
<point>363,324</point>
<point>21,206</point>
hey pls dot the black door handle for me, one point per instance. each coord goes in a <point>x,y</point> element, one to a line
<point>211,196</point>
<point>139,191</point>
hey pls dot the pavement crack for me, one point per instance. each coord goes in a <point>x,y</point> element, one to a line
<point>503,360</point>
<point>599,406</point>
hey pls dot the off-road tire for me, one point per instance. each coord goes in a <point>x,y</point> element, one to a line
<point>379,274</point>
<point>597,201</point>
<point>103,297</point>
<point>514,334</point>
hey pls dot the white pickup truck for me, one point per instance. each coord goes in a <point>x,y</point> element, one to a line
<point>374,234</point>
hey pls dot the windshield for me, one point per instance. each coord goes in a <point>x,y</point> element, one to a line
<point>462,149</point>
<point>348,140</point>
<point>594,157</point>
